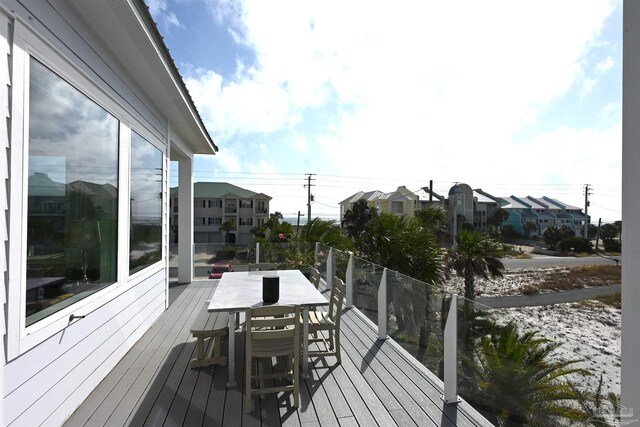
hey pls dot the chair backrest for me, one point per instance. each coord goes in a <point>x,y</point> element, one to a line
<point>273,322</point>
<point>263,266</point>
<point>335,300</point>
<point>314,277</point>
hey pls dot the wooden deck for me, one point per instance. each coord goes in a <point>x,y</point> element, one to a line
<point>376,384</point>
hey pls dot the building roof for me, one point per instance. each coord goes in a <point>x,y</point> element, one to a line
<point>219,190</point>
<point>536,203</point>
<point>560,204</point>
<point>368,196</point>
<point>486,197</point>
<point>401,193</point>
<point>513,202</point>
<point>433,193</point>
<point>482,197</point>
<point>140,46</point>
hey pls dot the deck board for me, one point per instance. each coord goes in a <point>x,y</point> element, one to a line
<point>375,384</point>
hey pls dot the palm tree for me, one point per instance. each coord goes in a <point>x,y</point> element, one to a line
<point>227,226</point>
<point>475,255</point>
<point>601,410</point>
<point>498,217</point>
<point>401,244</point>
<point>435,219</point>
<point>355,220</point>
<point>515,380</point>
<point>530,227</point>
<point>327,232</point>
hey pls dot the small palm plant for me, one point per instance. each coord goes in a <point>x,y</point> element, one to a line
<point>475,255</point>
<point>515,379</point>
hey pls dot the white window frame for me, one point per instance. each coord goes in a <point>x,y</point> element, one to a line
<point>20,338</point>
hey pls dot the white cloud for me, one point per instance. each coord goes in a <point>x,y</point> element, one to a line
<point>606,65</point>
<point>160,11</point>
<point>587,86</point>
<point>423,89</point>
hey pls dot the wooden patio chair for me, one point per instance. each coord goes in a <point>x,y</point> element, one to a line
<point>272,331</point>
<point>314,277</point>
<point>328,321</point>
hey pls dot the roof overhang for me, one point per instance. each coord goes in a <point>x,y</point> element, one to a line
<point>127,29</point>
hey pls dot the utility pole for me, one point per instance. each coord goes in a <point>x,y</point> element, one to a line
<point>598,233</point>
<point>586,211</point>
<point>309,195</point>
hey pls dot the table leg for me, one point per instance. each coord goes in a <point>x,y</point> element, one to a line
<point>231,361</point>
<point>305,341</point>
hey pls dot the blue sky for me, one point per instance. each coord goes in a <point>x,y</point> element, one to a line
<point>516,98</point>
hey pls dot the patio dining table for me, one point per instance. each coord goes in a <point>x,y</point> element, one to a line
<point>239,291</point>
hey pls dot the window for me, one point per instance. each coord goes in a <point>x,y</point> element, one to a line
<point>215,221</point>
<point>397,207</point>
<point>145,246</point>
<point>244,204</point>
<point>199,203</point>
<point>246,221</point>
<point>199,220</point>
<point>72,195</point>
<point>261,206</point>
<point>215,203</point>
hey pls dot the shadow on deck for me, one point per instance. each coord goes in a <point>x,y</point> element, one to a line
<point>376,384</point>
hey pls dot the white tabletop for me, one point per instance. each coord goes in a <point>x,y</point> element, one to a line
<point>240,290</point>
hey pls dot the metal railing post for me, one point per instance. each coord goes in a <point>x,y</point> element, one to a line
<point>315,254</point>
<point>451,354</point>
<point>330,269</point>
<point>349,282</point>
<point>257,252</point>
<point>382,307</point>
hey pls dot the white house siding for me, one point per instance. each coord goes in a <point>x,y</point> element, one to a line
<point>46,383</point>
<point>5,95</point>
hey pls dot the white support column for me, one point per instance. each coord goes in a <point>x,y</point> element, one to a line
<point>630,373</point>
<point>349,282</point>
<point>257,252</point>
<point>382,307</point>
<point>451,354</point>
<point>330,268</point>
<point>185,220</point>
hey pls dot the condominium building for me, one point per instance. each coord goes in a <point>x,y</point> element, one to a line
<point>402,201</point>
<point>216,203</point>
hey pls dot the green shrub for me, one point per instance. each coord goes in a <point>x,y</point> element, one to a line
<point>612,245</point>
<point>576,244</point>
<point>225,254</point>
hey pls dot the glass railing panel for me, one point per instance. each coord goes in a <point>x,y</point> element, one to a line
<point>504,357</point>
<point>475,324</point>
<point>417,314</point>
<point>207,254</point>
<point>321,257</point>
<point>366,282</point>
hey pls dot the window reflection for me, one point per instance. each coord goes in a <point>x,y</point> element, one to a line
<point>72,195</point>
<point>146,204</point>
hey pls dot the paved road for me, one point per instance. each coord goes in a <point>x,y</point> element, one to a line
<point>571,295</point>
<point>551,261</point>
